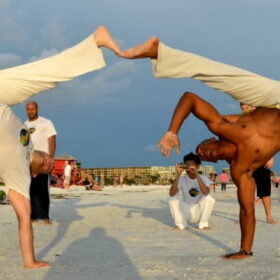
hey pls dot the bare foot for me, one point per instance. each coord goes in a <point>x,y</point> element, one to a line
<point>37,265</point>
<point>47,222</point>
<point>149,49</point>
<point>103,38</point>
<point>272,222</point>
<point>236,256</point>
<point>177,228</point>
<point>205,228</point>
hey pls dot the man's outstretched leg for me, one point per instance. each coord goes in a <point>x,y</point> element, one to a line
<point>244,86</point>
<point>22,208</point>
<point>21,82</point>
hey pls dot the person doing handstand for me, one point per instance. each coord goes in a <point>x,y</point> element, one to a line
<point>17,84</point>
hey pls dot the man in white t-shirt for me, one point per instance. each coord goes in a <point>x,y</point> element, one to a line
<point>17,154</point>
<point>190,199</point>
<point>43,136</point>
<point>67,175</point>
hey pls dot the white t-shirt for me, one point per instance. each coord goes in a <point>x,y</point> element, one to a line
<point>40,130</point>
<point>67,170</point>
<point>16,150</point>
<point>189,188</point>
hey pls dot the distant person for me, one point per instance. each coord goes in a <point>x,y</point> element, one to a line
<point>190,199</point>
<point>115,181</point>
<point>96,179</point>
<point>224,180</point>
<point>213,179</point>
<point>262,177</point>
<point>74,172</point>
<point>276,182</point>
<point>17,84</point>
<point>67,175</point>
<point>121,180</point>
<point>94,185</point>
<point>102,181</point>
<point>43,136</point>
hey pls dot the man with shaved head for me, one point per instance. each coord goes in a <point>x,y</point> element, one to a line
<point>43,136</point>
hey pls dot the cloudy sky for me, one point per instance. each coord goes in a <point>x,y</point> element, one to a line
<point>115,116</point>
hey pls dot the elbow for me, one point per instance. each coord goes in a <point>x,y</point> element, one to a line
<point>189,94</point>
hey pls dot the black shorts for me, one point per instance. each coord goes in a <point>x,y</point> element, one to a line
<point>263,183</point>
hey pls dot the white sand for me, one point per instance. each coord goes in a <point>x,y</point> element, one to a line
<point>126,233</point>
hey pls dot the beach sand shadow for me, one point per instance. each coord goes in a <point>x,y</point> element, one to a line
<point>163,216</point>
<point>160,214</point>
<point>65,218</point>
<point>97,256</point>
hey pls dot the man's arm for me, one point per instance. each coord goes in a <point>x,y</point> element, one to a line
<point>52,145</point>
<point>204,189</point>
<point>191,103</point>
<point>188,103</point>
<point>174,187</point>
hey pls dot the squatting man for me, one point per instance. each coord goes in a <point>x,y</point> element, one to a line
<point>190,199</point>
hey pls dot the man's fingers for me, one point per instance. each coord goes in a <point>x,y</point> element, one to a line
<point>164,150</point>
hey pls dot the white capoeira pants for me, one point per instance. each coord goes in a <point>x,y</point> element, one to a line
<point>19,83</point>
<point>244,86</point>
<point>184,213</point>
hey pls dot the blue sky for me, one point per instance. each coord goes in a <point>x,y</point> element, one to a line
<point>115,116</point>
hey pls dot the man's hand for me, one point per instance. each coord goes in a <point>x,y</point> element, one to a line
<point>179,169</point>
<point>169,141</point>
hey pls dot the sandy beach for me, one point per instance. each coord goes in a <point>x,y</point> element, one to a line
<point>126,233</point>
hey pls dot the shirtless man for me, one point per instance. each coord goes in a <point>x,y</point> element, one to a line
<point>17,84</point>
<point>246,141</point>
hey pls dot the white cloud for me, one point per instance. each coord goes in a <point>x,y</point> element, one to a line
<point>44,54</point>
<point>11,32</point>
<point>151,148</point>
<point>54,33</point>
<point>103,87</point>
<point>9,60</point>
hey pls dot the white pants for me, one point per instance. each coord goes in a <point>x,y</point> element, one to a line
<point>19,83</point>
<point>244,86</point>
<point>184,213</point>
